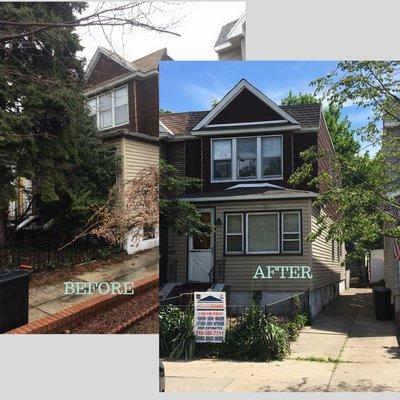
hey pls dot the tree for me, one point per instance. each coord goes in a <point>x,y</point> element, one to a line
<point>357,186</point>
<point>343,137</point>
<point>154,193</point>
<point>46,134</point>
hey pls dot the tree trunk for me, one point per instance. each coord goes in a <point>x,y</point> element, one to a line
<point>3,224</point>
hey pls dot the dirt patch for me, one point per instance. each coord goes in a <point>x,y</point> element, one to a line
<point>44,278</point>
<point>110,319</point>
<point>148,325</point>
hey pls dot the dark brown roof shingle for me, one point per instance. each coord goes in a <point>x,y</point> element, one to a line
<point>308,115</point>
<point>151,61</point>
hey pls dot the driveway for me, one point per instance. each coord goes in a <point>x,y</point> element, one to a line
<point>345,349</point>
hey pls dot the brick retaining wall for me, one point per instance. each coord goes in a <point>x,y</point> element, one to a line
<point>71,316</point>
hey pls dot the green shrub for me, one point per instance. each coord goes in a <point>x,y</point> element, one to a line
<point>292,330</point>
<point>176,333</point>
<point>256,338</point>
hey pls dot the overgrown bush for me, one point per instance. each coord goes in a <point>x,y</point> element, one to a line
<point>176,333</point>
<point>256,338</point>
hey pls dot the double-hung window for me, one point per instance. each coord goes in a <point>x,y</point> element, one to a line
<point>105,109</point>
<point>291,232</point>
<point>246,158</point>
<point>254,158</point>
<point>271,156</point>
<point>234,233</point>
<point>222,159</point>
<point>262,233</point>
<point>110,109</point>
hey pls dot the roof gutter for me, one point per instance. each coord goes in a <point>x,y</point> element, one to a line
<point>252,197</point>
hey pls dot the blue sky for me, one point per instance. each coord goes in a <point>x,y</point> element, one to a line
<point>192,86</point>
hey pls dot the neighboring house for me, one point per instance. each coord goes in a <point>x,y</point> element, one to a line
<point>231,42</point>
<point>375,266</point>
<point>391,265</point>
<point>245,149</point>
<point>124,100</point>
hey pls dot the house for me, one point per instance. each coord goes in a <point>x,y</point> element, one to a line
<point>231,42</point>
<point>245,149</point>
<point>391,264</point>
<point>123,99</point>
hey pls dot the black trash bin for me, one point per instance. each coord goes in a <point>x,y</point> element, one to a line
<point>383,303</point>
<point>14,298</point>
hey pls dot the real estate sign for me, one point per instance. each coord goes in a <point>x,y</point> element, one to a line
<point>209,317</point>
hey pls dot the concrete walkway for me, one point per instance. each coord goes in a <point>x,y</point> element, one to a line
<point>367,351</point>
<point>49,299</point>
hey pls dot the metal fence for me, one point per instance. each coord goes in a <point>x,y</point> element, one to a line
<point>47,259</point>
<point>285,309</point>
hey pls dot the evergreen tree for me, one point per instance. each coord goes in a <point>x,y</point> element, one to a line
<point>46,134</point>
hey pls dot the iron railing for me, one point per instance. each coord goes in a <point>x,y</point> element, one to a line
<point>217,272</point>
<point>285,309</point>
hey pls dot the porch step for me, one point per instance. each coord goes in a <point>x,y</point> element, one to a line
<point>182,294</point>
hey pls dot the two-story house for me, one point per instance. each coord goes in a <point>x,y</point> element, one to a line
<point>245,149</point>
<point>123,99</point>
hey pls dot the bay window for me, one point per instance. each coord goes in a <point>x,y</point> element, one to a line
<point>262,233</point>
<point>247,158</point>
<point>234,233</point>
<point>110,109</point>
<point>269,232</point>
<point>222,159</point>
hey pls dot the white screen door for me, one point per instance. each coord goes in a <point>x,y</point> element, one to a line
<point>201,251</point>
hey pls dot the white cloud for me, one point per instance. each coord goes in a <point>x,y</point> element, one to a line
<point>204,95</point>
<point>199,25</point>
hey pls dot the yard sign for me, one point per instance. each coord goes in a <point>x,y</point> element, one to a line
<point>209,317</point>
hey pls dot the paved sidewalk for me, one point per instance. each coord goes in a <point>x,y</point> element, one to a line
<point>346,330</point>
<point>49,299</point>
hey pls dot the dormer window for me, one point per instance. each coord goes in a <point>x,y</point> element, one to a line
<point>249,158</point>
<point>110,109</point>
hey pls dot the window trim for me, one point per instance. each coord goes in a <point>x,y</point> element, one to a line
<point>278,233</point>
<point>299,240</point>
<point>242,234</point>
<point>244,214</point>
<point>234,173</point>
<point>233,162</point>
<point>97,98</point>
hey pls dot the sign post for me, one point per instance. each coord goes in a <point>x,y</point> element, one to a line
<point>209,317</point>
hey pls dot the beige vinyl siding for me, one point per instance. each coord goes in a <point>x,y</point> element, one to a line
<point>239,268</point>
<point>117,145</point>
<point>177,250</point>
<point>325,270</point>
<point>137,155</point>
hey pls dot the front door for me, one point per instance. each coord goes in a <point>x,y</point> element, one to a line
<point>201,251</point>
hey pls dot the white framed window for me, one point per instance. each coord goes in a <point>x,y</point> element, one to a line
<point>110,109</point>
<point>291,236</point>
<point>271,156</point>
<point>222,159</point>
<point>247,158</point>
<point>234,235</point>
<point>262,233</point>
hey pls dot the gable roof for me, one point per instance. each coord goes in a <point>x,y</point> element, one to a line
<point>144,64</point>
<point>233,93</point>
<point>308,115</point>
<point>113,56</point>
<point>223,34</point>
<point>229,32</point>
